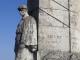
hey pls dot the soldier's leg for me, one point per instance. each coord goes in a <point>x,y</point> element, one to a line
<point>34,51</point>
<point>24,54</point>
<point>38,56</point>
<point>35,55</point>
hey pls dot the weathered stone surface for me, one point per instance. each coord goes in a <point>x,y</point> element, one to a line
<point>54,27</point>
<point>54,35</point>
<point>75,26</point>
<point>54,38</point>
<point>44,3</point>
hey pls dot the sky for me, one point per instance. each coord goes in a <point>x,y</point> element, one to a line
<point>9,18</point>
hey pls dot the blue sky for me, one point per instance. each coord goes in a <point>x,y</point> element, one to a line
<point>9,18</point>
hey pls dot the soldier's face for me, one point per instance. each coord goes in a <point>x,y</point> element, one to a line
<point>22,12</point>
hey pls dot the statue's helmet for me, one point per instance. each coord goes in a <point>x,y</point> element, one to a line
<point>22,7</point>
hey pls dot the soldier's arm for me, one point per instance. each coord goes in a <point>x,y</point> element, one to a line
<point>34,29</point>
<point>18,37</point>
<point>34,35</point>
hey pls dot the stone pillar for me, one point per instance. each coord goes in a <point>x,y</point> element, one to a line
<point>54,35</point>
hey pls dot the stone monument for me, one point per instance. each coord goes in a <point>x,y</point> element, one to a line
<point>57,26</point>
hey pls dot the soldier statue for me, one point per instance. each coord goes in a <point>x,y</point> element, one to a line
<point>26,36</point>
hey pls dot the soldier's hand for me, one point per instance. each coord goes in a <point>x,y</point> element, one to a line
<point>34,48</point>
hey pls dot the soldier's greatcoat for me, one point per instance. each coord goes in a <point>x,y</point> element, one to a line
<point>29,36</point>
<point>26,34</point>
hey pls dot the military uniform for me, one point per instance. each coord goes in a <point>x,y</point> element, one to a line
<point>26,34</point>
<point>29,36</point>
